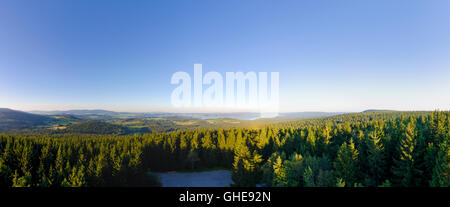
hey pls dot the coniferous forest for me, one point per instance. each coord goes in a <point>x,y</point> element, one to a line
<point>353,150</point>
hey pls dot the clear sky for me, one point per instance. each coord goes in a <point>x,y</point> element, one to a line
<point>120,55</point>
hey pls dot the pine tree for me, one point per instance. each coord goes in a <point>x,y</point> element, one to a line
<point>308,177</point>
<point>25,159</point>
<point>346,164</point>
<point>242,167</point>
<point>21,181</point>
<point>376,160</point>
<point>279,178</point>
<point>386,183</point>
<point>193,158</point>
<point>340,182</point>
<point>441,170</point>
<point>5,172</point>
<point>405,170</point>
<point>311,140</point>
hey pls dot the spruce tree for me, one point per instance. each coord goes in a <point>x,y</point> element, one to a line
<point>405,170</point>
<point>376,160</point>
<point>441,170</point>
<point>346,163</point>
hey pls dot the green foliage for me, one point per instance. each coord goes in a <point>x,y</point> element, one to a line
<point>279,172</point>
<point>385,184</point>
<point>21,181</point>
<point>308,178</point>
<point>346,150</point>
<point>441,170</point>
<point>96,127</point>
<point>340,183</point>
<point>406,170</point>
<point>17,120</point>
<point>346,164</point>
<point>72,160</point>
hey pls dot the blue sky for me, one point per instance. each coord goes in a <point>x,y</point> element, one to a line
<point>120,55</point>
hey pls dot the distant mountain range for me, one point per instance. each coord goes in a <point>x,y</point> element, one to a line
<point>77,112</point>
<point>16,120</point>
<point>242,115</point>
<point>378,110</point>
<point>75,120</point>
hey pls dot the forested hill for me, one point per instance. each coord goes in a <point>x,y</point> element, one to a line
<point>96,127</point>
<point>365,116</point>
<point>15,120</point>
<point>365,149</point>
<point>72,120</point>
<point>378,110</point>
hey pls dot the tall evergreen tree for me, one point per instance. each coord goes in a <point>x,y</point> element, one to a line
<point>441,170</point>
<point>405,170</point>
<point>346,163</point>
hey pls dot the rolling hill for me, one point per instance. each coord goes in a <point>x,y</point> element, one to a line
<point>16,120</point>
<point>96,127</point>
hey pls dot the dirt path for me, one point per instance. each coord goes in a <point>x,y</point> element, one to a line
<point>218,178</point>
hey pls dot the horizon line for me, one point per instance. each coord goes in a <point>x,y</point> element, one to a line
<point>210,112</point>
